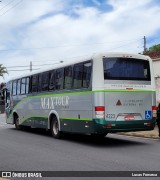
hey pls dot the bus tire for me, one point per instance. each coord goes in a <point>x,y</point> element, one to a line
<point>56,133</point>
<point>16,122</point>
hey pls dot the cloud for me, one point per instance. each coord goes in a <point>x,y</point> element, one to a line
<point>55,30</point>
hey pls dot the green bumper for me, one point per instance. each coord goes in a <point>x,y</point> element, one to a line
<point>101,125</point>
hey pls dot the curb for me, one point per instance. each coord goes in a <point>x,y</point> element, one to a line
<point>138,135</point>
<point>153,134</point>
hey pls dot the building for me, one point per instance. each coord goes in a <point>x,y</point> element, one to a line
<point>156,66</point>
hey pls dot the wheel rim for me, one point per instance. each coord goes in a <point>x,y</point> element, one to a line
<point>55,127</point>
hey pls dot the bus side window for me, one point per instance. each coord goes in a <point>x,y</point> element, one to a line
<point>59,78</point>
<point>27,85</point>
<point>18,86</point>
<point>34,83</point>
<point>39,82</point>
<point>23,86</point>
<point>68,77</point>
<point>52,80</point>
<point>77,76</point>
<point>87,68</point>
<point>9,86</point>
<point>45,81</point>
<point>14,89</point>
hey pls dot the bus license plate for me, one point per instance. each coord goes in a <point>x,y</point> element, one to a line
<point>129,118</point>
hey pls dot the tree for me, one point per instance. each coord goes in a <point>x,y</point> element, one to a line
<point>153,51</point>
<point>155,48</point>
<point>3,70</point>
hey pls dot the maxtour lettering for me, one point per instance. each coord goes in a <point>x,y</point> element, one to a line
<point>51,102</point>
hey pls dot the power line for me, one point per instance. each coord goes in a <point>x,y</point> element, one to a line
<point>34,65</point>
<point>11,8</point>
<point>30,67</point>
<point>47,64</point>
<point>60,58</point>
<point>65,58</point>
<point>16,66</point>
<point>61,46</point>
<point>123,45</point>
<point>6,5</point>
<point>23,69</point>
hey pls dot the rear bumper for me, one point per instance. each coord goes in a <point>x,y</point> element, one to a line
<point>101,125</point>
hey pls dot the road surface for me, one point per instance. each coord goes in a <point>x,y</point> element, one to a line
<point>36,150</point>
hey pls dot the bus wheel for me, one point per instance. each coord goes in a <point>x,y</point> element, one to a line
<point>55,128</point>
<point>16,121</point>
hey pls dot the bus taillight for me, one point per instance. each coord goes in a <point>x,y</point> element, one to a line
<point>100,112</point>
<point>154,111</point>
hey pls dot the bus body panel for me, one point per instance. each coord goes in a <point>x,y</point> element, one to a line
<point>74,110</point>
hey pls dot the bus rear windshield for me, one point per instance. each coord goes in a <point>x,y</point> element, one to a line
<point>126,69</point>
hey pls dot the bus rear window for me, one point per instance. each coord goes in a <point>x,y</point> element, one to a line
<point>126,69</point>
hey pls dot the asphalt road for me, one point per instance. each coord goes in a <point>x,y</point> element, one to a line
<point>36,150</point>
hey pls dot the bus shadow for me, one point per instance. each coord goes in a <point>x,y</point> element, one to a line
<point>108,141</point>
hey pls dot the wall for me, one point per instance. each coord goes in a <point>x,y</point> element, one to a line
<point>156,67</point>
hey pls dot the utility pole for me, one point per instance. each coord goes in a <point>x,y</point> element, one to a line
<point>145,49</point>
<point>30,66</point>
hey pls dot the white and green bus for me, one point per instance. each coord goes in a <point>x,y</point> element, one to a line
<point>104,93</point>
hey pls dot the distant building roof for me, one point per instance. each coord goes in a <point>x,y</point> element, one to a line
<point>153,55</point>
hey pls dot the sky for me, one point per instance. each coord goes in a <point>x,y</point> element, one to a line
<point>46,32</point>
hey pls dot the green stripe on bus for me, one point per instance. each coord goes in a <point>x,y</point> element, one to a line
<point>89,92</point>
<point>82,92</point>
<point>24,119</point>
<point>61,118</point>
<point>86,92</point>
<point>129,91</point>
<point>81,119</point>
